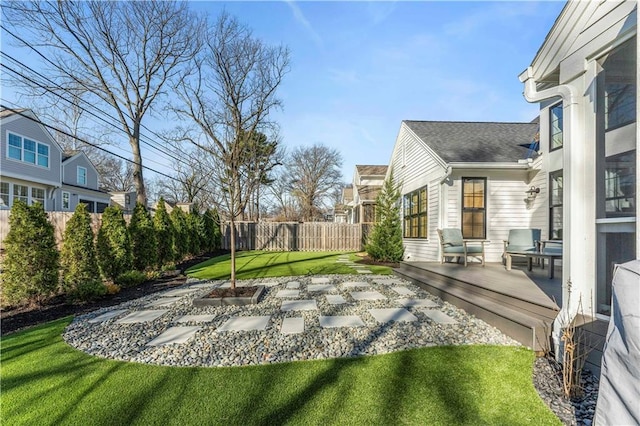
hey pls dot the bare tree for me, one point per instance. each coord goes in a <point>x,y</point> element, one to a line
<point>229,97</point>
<point>122,53</point>
<point>315,176</point>
<point>115,174</point>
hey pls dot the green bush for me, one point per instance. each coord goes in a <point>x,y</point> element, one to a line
<point>30,268</point>
<point>113,246</point>
<point>181,234</point>
<point>213,235</point>
<point>195,225</point>
<point>164,233</point>
<point>80,273</point>
<point>143,239</point>
<point>131,279</point>
<point>385,240</point>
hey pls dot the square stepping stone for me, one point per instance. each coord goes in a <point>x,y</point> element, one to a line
<point>142,316</point>
<point>367,295</point>
<point>107,316</point>
<point>174,335</point>
<point>364,271</point>
<point>355,284</point>
<point>343,261</point>
<point>439,317</point>
<point>299,305</point>
<point>320,280</point>
<point>417,303</point>
<point>179,292</point>
<point>203,285</point>
<point>403,291</point>
<point>292,325</point>
<point>325,288</point>
<point>196,318</point>
<point>287,293</point>
<point>392,314</point>
<point>292,285</point>
<point>245,323</point>
<point>341,321</point>
<point>163,302</point>
<point>387,280</point>
<point>335,299</point>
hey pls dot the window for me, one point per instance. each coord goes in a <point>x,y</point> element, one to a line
<point>555,205</point>
<point>4,194</point>
<point>21,192</point>
<point>82,176</point>
<point>555,125</point>
<point>28,151</point>
<point>473,207</point>
<point>619,68</point>
<point>415,214</point>
<point>620,185</point>
<point>37,196</point>
<point>65,201</point>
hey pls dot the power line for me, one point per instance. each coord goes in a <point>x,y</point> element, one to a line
<point>16,111</point>
<point>30,46</point>
<point>33,82</point>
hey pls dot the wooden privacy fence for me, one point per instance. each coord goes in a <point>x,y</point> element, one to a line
<point>58,220</point>
<point>294,236</point>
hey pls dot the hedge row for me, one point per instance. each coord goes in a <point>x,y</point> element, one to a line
<point>88,266</point>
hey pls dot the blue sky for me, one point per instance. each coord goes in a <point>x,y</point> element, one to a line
<point>359,68</point>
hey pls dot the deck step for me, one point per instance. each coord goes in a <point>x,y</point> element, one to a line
<point>527,323</point>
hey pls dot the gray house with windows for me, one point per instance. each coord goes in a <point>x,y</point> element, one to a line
<point>33,168</point>
<point>475,176</point>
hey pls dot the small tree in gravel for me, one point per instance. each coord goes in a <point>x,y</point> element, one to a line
<point>385,241</point>
<point>113,247</point>
<point>164,233</point>
<point>30,268</point>
<point>181,235</point>
<point>143,239</point>
<point>80,273</point>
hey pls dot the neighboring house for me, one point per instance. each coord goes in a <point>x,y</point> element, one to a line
<point>34,168</point>
<point>472,176</point>
<point>367,183</point>
<point>585,78</point>
<point>344,210</point>
<point>126,201</point>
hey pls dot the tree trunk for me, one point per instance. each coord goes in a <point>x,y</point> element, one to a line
<point>232,226</point>
<point>138,180</point>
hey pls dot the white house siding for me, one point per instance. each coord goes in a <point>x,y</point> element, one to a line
<point>25,127</point>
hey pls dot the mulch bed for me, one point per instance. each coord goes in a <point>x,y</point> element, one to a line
<point>58,307</point>
<point>366,260</point>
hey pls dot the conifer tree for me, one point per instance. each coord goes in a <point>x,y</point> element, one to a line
<point>181,235</point>
<point>80,273</point>
<point>195,225</point>
<point>143,239</point>
<point>31,264</point>
<point>164,233</point>
<point>113,246</point>
<point>385,240</point>
<point>213,235</point>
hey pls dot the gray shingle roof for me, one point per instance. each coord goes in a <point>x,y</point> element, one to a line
<point>476,142</point>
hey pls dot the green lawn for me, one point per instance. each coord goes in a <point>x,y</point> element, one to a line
<point>44,381</point>
<point>262,264</point>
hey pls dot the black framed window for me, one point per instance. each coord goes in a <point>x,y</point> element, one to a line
<point>474,212</point>
<point>415,213</point>
<point>555,126</point>
<point>555,205</point>
<point>619,69</point>
<point>620,185</point>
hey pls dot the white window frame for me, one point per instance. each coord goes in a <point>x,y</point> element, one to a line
<point>36,153</point>
<point>78,176</point>
<point>5,196</point>
<point>66,204</point>
<point>33,199</point>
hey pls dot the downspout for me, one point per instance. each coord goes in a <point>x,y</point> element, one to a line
<point>574,193</point>
<point>443,210</point>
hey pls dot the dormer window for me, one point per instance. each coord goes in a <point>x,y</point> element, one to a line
<point>82,176</point>
<point>27,150</point>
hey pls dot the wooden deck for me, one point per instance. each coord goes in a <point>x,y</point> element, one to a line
<point>521,304</point>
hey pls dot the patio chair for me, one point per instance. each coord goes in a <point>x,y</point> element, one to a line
<point>521,241</point>
<point>453,245</point>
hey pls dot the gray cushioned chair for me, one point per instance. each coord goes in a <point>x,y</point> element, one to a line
<point>453,245</point>
<point>522,240</point>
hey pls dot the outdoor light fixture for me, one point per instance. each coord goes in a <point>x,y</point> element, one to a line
<point>532,193</point>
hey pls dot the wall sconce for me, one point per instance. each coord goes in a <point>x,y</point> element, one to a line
<point>532,193</point>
